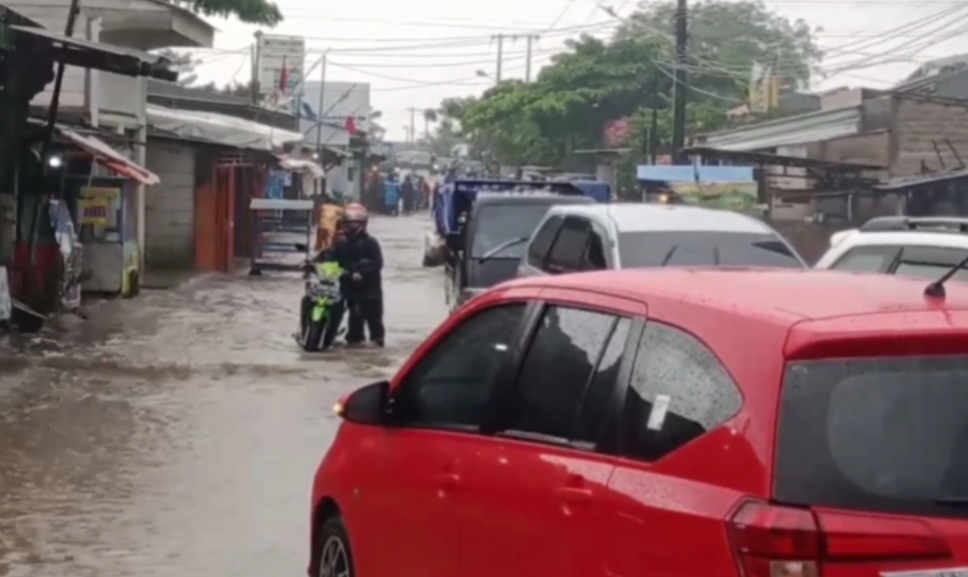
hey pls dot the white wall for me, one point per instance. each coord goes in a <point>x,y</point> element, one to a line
<point>170,207</point>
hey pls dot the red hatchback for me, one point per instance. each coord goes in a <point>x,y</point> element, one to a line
<point>663,423</point>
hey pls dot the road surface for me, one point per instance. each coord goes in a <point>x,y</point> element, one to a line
<point>176,434</point>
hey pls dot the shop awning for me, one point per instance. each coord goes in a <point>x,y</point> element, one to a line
<point>301,165</point>
<point>220,129</point>
<point>110,158</point>
<point>87,54</point>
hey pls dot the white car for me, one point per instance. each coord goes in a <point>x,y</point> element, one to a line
<point>910,246</point>
<point>612,236</point>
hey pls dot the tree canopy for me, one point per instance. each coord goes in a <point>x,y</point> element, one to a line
<point>629,75</point>
<point>264,12</point>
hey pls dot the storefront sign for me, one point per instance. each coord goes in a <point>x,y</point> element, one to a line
<point>98,207</point>
<point>5,304</point>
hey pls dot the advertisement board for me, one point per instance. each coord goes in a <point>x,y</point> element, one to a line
<point>275,54</point>
<point>346,108</point>
<point>722,187</point>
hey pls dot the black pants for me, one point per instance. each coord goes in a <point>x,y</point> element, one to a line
<point>368,312</point>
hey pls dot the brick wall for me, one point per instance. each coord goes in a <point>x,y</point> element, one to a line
<point>170,207</point>
<point>916,124</point>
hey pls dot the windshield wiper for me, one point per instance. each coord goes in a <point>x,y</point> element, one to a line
<point>504,245</point>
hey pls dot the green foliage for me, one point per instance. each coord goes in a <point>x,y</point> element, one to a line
<point>597,81</point>
<point>263,12</point>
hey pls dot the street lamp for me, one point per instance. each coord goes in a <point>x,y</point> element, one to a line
<point>482,74</point>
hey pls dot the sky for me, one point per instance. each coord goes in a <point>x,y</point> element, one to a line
<point>416,53</point>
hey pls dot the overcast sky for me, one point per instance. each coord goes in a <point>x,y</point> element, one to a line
<point>418,52</point>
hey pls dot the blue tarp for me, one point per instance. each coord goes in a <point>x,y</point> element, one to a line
<point>459,196</point>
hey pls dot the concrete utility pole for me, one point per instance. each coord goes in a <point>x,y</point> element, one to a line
<point>322,100</point>
<point>256,57</point>
<point>500,52</point>
<point>412,132</point>
<point>679,94</point>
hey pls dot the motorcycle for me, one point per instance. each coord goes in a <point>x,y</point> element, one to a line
<point>320,325</point>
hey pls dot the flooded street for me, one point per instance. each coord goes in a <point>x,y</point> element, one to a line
<point>176,434</point>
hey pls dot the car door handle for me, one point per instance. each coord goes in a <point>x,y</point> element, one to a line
<point>574,495</point>
<point>448,480</point>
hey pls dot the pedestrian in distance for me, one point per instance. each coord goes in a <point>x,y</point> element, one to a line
<point>391,195</point>
<point>362,259</point>
<point>408,192</point>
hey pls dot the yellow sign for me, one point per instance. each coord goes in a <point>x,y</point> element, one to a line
<point>93,211</point>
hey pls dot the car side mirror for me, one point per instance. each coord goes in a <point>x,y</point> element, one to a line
<point>366,405</point>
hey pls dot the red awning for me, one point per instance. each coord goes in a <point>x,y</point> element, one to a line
<point>110,158</point>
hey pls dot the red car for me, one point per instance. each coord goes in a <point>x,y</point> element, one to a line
<point>663,423</point>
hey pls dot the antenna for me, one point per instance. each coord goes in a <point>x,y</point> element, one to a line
<point>936,289</point>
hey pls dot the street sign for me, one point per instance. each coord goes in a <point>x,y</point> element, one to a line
<point>275,54</point>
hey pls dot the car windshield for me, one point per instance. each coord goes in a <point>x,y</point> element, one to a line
<point>876,434</point>
<point>702,248</point>
<point>499,223</point>
<point>930,271</point>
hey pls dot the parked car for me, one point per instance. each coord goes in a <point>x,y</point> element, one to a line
<point>596,237</point>
<point>909,246</point>
<point>767,423</point>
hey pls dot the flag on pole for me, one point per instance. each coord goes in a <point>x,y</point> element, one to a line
<point>283,77</point>
<point>351,125</point>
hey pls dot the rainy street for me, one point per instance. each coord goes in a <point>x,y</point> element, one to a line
<point>176,434</point>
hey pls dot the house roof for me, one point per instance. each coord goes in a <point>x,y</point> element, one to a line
<point>799,129</point>
<point>87,54</point>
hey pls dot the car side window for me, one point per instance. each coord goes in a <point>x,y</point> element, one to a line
<point>451,385</point>
<point>567,377</point>
<point>541,243</point>
<point>867,259</point>
<point>568,250</point>
<point>594,258</point>
<point>678,391</point>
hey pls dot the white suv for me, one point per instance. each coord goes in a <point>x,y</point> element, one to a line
<point>910,246</point>
<point>574,238</point>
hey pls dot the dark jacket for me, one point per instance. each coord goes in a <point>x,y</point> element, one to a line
<point>361,254</point>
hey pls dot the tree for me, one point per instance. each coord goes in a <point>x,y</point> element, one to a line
<point>264,12</point>
<point>429,116</point>
<point>597,81</point>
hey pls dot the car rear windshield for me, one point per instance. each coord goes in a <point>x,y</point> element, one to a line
<point>702,248</point>
<point>499,223</point>
<point>881,434</point>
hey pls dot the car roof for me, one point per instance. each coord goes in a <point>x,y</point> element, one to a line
<point>544,199</point>
<point>779,296</point>
<point>636,217</point>
<point>905,238</point>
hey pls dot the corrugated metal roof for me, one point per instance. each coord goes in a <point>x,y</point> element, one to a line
<point>800,129</point>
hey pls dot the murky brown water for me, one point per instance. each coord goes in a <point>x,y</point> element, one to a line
<point>176,434</point>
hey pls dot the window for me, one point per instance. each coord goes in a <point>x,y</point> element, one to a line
<point>875,434</point>
<point>678,391</point>
<point>866,259</point>
<point>564,386</point>
<point>542,240</point>
<point>704,248</point>
<point>498,224</point>
<point>594,258</point>
<point>451,385</point>
<point>569,248</point>
<point>930,263</point>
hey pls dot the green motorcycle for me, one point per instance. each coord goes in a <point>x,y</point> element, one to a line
<point>320,324</point>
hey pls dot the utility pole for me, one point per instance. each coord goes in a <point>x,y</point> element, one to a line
<point>679,95</point>
<point>412,132</point>
<point>322,101</point>
<point>530,38</point>
<point>256,61</point>
<point>654,130</point>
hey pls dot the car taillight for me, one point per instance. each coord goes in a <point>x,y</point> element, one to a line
<point>774,541</point>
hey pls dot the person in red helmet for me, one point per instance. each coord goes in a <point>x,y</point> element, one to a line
<point>361,257</point>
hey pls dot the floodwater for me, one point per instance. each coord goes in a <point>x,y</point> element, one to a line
<point>176,434</point>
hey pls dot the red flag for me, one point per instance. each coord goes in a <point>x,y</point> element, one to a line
<point>283,77</point>
<point>351,125</point>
